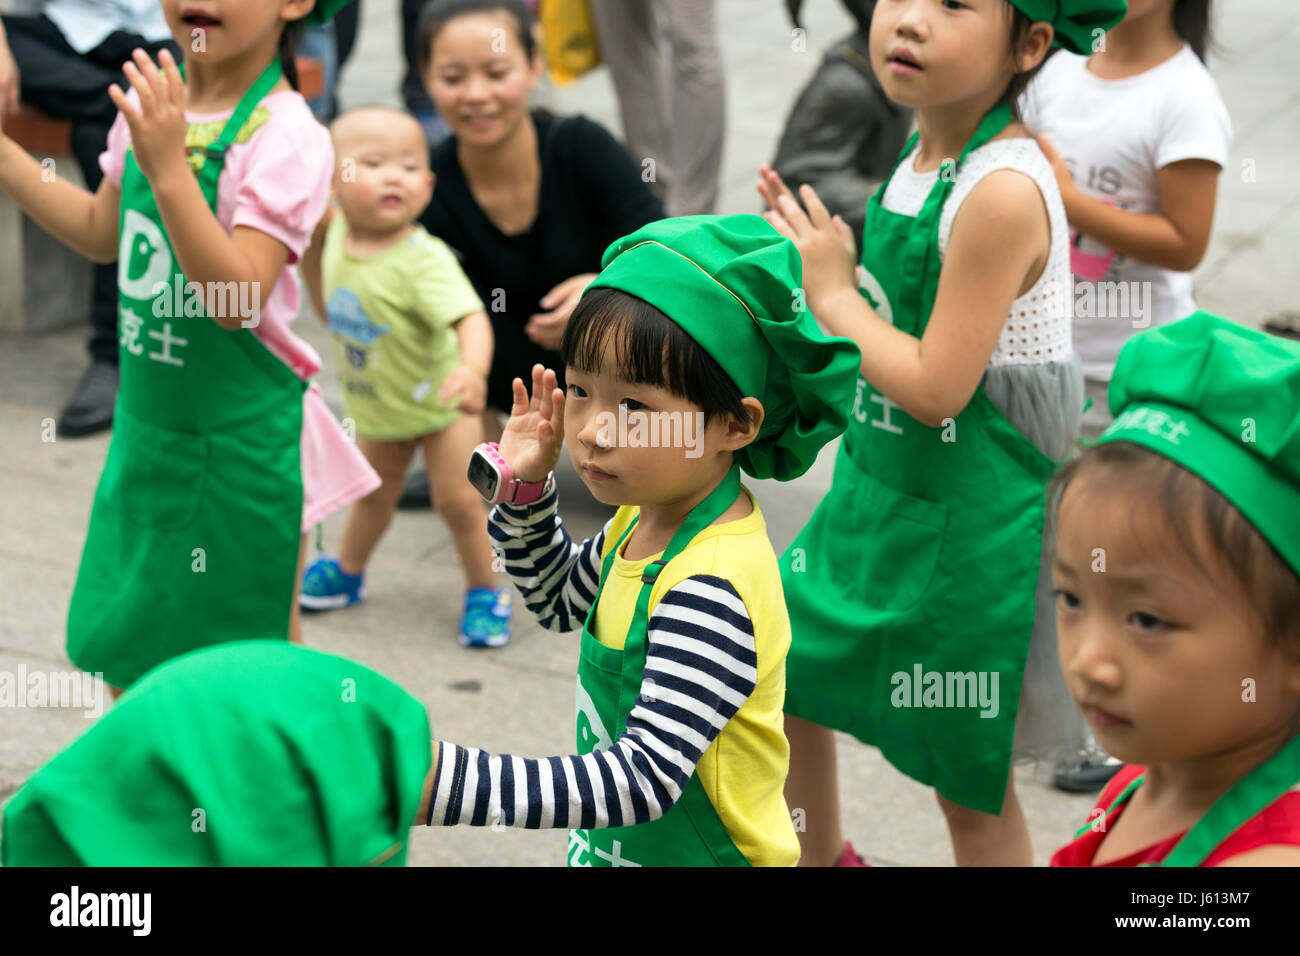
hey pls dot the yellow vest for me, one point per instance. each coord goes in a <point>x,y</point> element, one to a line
<point>743,771</point>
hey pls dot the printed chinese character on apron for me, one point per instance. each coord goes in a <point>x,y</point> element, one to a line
<point>609,680</point>
<point>911,588</point>
<point>194,532</point>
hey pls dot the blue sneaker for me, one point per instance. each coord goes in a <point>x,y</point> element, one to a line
<point>487,618</point>
<point>327,587</point>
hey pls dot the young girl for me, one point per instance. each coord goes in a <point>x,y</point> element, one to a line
<point>221,455</point>
<point>1177,574</point>
<point>684,363</point>
<point>1138,135</point>
<point>912,590</point>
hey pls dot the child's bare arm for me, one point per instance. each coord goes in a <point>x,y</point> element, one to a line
<point>466,385</point>
<point>1174,238</point>
<point>87,223</point>
<point>310,266</point>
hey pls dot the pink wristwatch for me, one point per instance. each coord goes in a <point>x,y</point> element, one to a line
<point>494,479</point>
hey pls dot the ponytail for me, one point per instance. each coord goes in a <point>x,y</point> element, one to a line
<point>1192,23</point>
<point>289,40</point>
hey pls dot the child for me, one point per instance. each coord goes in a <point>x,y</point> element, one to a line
<point>912,590</point>
<point>684,362</point>
<point>1138,135</point>
<point>211,756</point>
<point>221,455</point>
<point>1184,654</point>
<point>397,303</point>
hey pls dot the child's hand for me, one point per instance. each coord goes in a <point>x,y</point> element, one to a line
<point>464,388</point>
<point>825,242</point>
<point>1064,179</point>
<point>534,436</point>
<point>158,127</point>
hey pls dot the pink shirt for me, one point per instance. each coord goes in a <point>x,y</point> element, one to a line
<point>277,182</point>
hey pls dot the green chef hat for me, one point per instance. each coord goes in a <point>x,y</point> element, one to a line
<point>1076,21</point>
<point>734,285</point>
<point>324,11</point>
<point>1223,401</point>
<point>252,753</point>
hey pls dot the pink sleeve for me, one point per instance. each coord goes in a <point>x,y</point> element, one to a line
<point>285,187</point>
<point>113,159</point>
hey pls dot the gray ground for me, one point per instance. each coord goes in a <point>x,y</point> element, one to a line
<point>520,699</point>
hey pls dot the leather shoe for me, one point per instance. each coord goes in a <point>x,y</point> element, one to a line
<point>90,410</point>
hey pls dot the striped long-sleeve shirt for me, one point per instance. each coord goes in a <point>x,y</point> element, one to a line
<point>700,668</point>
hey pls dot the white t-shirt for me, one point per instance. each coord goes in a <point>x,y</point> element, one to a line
<point>1116,135</point>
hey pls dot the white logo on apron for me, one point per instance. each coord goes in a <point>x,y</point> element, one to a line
<point>593,729</point>
<point>876,298</point>
<point>141,234</point>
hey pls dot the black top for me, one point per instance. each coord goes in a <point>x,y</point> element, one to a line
<point>591,193</point>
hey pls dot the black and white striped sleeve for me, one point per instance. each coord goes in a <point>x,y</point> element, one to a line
<point>701,666</point>
<point>556,576</point>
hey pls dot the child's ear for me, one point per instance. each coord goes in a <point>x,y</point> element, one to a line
<point>741,433</point>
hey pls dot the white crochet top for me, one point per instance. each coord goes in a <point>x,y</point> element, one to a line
<point>1037,329</point>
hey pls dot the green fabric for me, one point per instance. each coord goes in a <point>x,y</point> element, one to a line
<point>194,531</point>
<point>609,679</point>
<point>393,318</point>
<point>1077,22</point>
<point>920,564</point>
<point>1223,401</point>
<point>734,284</point>
<point>253,753</point>
<point>324,11</point>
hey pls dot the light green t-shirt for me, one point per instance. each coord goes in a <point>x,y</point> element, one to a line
<point>392,317</point>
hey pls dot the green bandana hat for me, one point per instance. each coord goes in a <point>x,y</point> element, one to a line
<point>734,285</point>
<point>324,11</point>
<point>251,753</point>
<point>1077,22</point>
<point>1223,401</point>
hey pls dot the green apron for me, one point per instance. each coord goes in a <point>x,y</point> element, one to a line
<point>914,580</point>
<point>609,680</point>
<point>1248,796</point>
<point>194,533</point>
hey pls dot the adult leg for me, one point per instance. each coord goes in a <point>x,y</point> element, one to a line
<point>369,518</point>
<point>983,839</point>
<point>699,105</point>
<point>812,787</point>
<point>446,458</point>
<point>627,32</point>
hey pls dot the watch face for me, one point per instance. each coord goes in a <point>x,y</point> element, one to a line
<point>483,476</point>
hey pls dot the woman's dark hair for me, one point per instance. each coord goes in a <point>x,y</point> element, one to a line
<point>1020,25</point>
<point>1192,23</point>
<point>438,13</point>
<point>289,40</point>
<point>650,349</point>
<point>1184,500</point>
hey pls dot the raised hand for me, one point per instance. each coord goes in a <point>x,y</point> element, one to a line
<point>158,126</point>
<point>534,436</point>
<point>825,242</point>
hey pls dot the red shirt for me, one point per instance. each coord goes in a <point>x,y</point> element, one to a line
<point>1278,823</point>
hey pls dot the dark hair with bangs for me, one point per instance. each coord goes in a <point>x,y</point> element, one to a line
<point>438,13</point>
<point>1185,498</point>
<point>650,349</point>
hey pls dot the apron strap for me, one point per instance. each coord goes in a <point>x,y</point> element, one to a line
<point>634,649</point>
<point>1114,805</point>
<point>215,155</point>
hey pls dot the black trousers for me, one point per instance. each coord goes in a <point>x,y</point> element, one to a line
<point>58,80</point>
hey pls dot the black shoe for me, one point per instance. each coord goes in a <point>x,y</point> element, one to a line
<point>1085,778</point>
<point>90,410</point>
<point>415,495</point>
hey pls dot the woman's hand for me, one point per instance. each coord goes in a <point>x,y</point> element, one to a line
<point>464,388</point>
<point>534,436</point>
<point>547,328</point>
<point>158,127</point>
<point>825,242</point>
<point>9,80</point>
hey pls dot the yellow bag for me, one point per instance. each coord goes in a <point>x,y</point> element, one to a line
<point>568,39</point>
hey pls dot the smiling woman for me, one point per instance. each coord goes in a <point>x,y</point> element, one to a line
<point>529,200</point>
